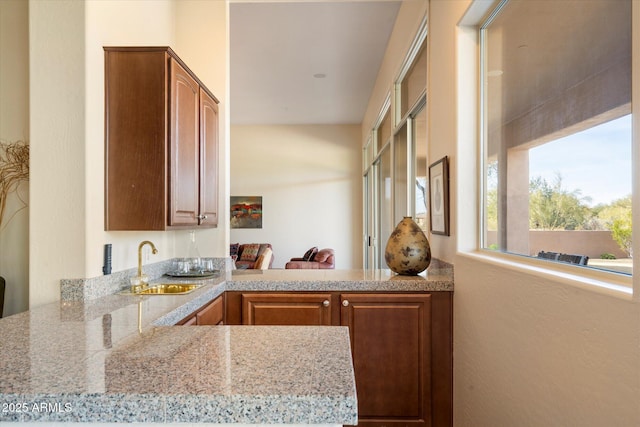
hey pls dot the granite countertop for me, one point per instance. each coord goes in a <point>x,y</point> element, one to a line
<point>434,279</point>
<point>117,359</point>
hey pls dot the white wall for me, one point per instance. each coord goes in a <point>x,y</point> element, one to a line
<point>311,186</point>
<point>67,127</point>
<point>14,126</point>
<point>529,349</point>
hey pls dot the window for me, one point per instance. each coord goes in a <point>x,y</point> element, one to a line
<point>412,85</point>
<point>410,139</point>
<point>556,99</point>
<point>383,133</point>
<point>395,156</point>
<point>420,136</point>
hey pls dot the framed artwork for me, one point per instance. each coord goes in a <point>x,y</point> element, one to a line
<point>246,211</point>
<point>439,196</point>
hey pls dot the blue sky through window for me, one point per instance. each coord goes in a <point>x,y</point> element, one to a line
<point>596,161</point>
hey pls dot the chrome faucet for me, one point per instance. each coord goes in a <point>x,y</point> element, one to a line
<point>141,281</point>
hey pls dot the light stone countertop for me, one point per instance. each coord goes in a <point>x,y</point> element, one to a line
<point>434,279</point>
<point>117,359</point>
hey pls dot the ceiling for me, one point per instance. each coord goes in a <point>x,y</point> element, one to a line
<point>306,62</point>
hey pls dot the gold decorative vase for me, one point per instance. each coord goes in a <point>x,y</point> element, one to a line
<point>408,251</point>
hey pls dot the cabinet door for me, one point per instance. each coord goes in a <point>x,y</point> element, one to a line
<point>135,134</point>
<point>390,342</point>
<point>209,160</point>
<point>212,314</point>
<point>286,309</point>
<point>184,125</point>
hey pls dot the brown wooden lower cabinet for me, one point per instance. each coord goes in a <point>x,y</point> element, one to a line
<point>211,314</point>
<point>401,346</point>
<point>192,320</point>
<point>402,365</point>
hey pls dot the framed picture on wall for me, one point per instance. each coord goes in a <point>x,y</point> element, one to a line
<point>246,211</point>
<point>439,196</point>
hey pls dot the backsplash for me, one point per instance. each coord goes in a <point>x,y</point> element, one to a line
<point>97,287</point>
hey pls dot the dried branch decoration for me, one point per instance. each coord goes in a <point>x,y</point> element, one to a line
<point>14,168</point>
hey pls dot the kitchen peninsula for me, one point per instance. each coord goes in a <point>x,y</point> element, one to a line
<point>118,358</point>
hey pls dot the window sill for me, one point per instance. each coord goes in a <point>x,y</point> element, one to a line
<point>611,284</point>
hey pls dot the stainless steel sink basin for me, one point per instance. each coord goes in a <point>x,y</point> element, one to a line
<point>170,289</point>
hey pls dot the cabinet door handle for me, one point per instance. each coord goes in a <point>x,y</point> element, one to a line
<point>345,303</point>
<point>202,217</point>
<point>326,303</point>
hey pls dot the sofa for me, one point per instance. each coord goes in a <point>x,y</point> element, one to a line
<point>314,259</point>
<point>252,255</point>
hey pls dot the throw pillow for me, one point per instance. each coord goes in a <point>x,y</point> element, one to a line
<point>322,256</point>
<point>233,249</point>
<point>264,259</point>
<point>250,252</point>
<point>308,256</point>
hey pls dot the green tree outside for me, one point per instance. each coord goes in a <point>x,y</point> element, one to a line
<point>617,218</point>
<point>552,207</point>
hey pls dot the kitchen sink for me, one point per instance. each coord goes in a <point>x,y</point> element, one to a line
<point>169,289</point>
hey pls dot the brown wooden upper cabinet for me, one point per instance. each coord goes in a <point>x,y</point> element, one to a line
<point>161,142</point>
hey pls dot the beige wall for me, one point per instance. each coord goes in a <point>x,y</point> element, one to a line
<point>530,351</point>
<point>14,126</point>
<point>311,187</point>
<point>67,127</point>
<point>441,90</point>
<point>57,126</point>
